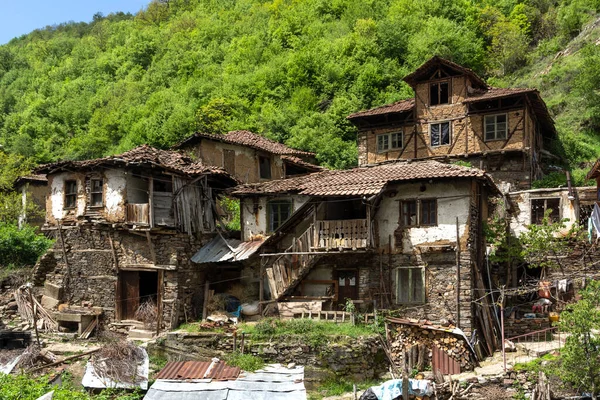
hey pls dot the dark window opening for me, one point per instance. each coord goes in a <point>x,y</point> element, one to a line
<point>163,184</point>
<point>439,93</point>
<point>539,208</point>
<point>70,194</point>
<point>440,134</point>
<point>410,285</point>
<point>96,193</point>
<point>415,213</point>
<point>279,211</point>
<point>264,167</point>
<point>291,170</point>
<point>344,209</point>
<point>495,127</point>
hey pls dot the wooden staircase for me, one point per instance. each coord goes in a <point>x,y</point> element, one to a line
<point>287,270</point>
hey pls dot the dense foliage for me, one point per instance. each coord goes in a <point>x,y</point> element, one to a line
<point>21,247</point>
<point>292,70</point>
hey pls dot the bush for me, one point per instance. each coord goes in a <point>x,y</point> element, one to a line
<point>21,247</point>
<point>246,362</point>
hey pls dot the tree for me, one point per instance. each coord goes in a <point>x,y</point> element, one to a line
<point>580,358</point>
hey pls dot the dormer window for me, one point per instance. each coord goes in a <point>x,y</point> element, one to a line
<point>439,93</point>
<point>389,141</point>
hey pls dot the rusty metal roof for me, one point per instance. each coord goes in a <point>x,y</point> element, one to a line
<point>219,250</point>
<point>244,138</point>
<point>188,370</point>
<point>367,180</point>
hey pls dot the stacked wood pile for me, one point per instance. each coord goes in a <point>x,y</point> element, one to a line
<point>413,343</point>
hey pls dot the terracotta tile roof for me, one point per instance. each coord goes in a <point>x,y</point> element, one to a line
<point>429,67</point>
<point>185,370</point>
<point>368,180</point>
<point>397,107</point>
<point>142,156</point>
<point>301,163</point>
<point>38,178</point>
<point>495,93</point>
<point>245,138</point>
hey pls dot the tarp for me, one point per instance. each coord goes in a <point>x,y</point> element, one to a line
<point>392,389</point>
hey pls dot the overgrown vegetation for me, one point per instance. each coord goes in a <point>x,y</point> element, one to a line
<point>21,247</point>
<point>18,387</point>
<point>291,70</point>
<point>338,387</point>
<point>246,362</point>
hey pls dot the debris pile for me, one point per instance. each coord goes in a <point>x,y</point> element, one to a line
<point>30,312</point>
<point>119,362</point>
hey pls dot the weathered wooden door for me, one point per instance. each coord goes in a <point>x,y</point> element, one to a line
<point>130,293</point>
<point>347,285</point>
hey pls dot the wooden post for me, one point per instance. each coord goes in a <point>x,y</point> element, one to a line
<point>204,308</point>
<point>502,327</point>
<point>234,341</point>
<point>159,300</point>
<point>33,313</point>
<point>151,202</point>
<point>261,287</point>
<point>457,275</point>
<point>243,342</point>
<point>405,381</point>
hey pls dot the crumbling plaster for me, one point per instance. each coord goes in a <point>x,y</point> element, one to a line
<point>254,213</point>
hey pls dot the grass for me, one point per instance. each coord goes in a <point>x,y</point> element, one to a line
<point>194,327</point>
<point>246,362</point>
<point>274,328</point>
<point>535,366</point>
<point>337,387</point>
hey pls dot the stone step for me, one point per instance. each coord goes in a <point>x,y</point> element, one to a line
<point>140,334</point>
<point>128,323</point>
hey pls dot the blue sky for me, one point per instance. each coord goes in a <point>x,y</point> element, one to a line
<point>22,16</point>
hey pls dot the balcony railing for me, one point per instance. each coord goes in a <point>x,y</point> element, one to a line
<point>342,234</point>
<point>138,214</point>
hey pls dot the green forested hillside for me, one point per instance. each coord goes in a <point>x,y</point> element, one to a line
<point>289,69</point>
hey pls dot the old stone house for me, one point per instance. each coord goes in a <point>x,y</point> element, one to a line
<point>401,234</point>
<point>455,115</point>
<point>125,228</point>
<point>248,156</point>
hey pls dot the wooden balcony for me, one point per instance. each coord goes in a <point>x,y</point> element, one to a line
<point>138,214</point>
<point>341,234</point>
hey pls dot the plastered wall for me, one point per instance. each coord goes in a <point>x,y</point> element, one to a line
<point>254,213</point>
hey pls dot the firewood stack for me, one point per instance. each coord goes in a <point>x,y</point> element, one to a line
<point>417,342</point>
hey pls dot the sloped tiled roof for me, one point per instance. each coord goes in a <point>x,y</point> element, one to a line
<point>301,163</point>
<point>431,65</point>
<point>368,180</point>
<point>142,156</point>
<point>244,138</point>
<point>495,93</point>
<point>397,107</point>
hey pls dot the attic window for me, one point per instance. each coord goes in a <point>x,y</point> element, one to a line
<point>96,193</point>
<point>495,127</point>
<point>439,93</point>
<point>70,194</point>
<point>539,207</point>
<point>440,133</point>
<point>265,167</point>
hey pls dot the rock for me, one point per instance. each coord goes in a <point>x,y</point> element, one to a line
<point>49,303</point>
<point>291,365</point>
<point>51,290</point>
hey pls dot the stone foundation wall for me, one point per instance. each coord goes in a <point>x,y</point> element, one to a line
<point>517,327</point>
<point>356,358</point>
<point>96,253</point>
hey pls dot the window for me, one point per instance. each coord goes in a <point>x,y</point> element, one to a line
<point>279,211</point>
<point>410,285</point>
<point>440,133</point>
<point>539,208</point>
<point>96,193</point>
<point>264,167</point>
<point>70,194</point>
<point>439,93</point>
<point>495,127</point>
<point>389,141</point>
<point>418,212</point>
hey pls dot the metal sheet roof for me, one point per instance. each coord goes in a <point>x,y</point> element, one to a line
<point>219,250</point>
<point>185,370</point>
<point>274,382</point>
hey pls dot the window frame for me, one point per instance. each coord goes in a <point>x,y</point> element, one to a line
<point>419,212</point>
<point>260,169</point>
<point>440,123</point>
<point>422,299</point>
<point>545,200</point>
<point>439,92</point>
<point>92,192</point>
<point>68,195</point>
<point>389,141</point>
<point>485,125</point>
<point>278,202</point>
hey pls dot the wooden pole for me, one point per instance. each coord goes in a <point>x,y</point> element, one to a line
<point>457,275</point>
<point>261,287</point>
<point>87,353</point>
<point>159,300</point>
<point>502,327</point>
<point>37,335</point>
<point>204,308</point>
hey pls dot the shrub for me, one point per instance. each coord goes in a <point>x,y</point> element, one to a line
<point>21,246</point>
<point>246,362</point>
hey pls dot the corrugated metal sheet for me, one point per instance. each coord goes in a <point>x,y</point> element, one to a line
<point>187,370</point>
<point>441,361</point>
<point>274,382</point>
<point>219,250</point>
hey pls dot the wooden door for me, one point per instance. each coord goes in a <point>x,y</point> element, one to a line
<point>130,293</point>
<point>347,285</point>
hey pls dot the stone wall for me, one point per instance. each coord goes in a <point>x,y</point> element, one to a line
<point>517,327</point>
<point>357,358</point>
<point>97,254</point>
